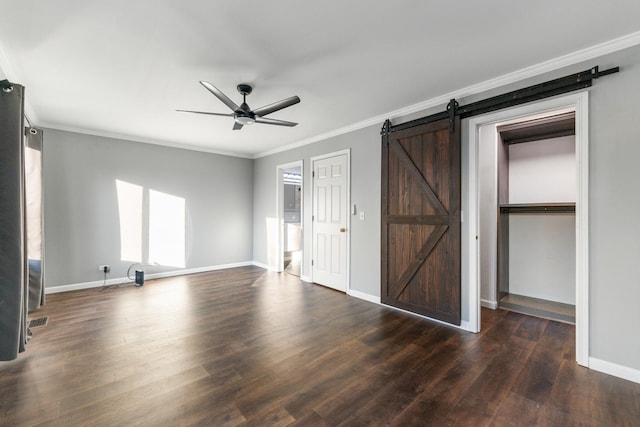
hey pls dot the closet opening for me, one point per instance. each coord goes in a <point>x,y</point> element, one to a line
<point>533,208</point>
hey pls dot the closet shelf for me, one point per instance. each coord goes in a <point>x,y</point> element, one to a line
<point>566,207</point>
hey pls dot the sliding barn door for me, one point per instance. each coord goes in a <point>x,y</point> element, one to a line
<point>421,220</point>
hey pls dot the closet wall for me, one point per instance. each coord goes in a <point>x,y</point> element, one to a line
<point>538,248</point>
<point>542,245</point>
<point>488,202</point>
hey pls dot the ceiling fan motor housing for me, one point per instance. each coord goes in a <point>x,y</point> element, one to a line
<point>244,88</point>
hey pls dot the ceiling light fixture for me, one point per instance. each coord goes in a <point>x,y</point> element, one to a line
<point>244,120</point>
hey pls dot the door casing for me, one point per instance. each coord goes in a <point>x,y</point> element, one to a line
<point>580,103</point>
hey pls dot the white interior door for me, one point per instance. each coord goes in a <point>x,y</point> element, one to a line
<point>330,220</point>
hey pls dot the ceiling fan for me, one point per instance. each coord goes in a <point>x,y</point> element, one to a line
<point>243,115</point>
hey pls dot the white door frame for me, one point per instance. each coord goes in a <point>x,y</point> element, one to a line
<point>580,103</point>
<point>280,210</point>
<point>346,151</point>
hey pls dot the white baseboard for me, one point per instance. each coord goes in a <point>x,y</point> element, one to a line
<point>266,267</point>
<point>261,265</point>
<point>489,304</point>
<point>121,280</point>
<point>464,325</point>
<point>364,296</point>
<point>306,279</point>
<point>614,369</point>
<point>85,285</point>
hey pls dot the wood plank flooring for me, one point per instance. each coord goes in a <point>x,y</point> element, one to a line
<point>246,347</point>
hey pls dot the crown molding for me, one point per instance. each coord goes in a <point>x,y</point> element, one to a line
<point>554,64</point>
<point>142,140</point>
<point>582,55</point>
<point>7,72</point>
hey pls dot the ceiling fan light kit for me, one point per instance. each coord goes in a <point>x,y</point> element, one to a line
<point>244,120</point>
<point>243,115</point>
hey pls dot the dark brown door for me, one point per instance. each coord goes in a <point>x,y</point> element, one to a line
<point>421,220</point>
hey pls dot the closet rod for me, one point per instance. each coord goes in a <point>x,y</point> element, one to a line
<point>554,87</point>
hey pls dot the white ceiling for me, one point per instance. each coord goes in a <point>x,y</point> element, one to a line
<point>122,68</point>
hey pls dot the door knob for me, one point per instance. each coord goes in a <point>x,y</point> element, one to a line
<point>342,229</point>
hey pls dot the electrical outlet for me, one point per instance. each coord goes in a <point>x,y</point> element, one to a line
<point>104,269</point>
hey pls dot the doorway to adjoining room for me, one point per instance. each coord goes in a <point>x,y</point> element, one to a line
<point>292,219</point>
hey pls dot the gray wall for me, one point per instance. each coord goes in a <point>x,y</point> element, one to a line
<point>614,143</point>
<point>543,171</point>
<point>614,204</point>
<point>365,194</point>
<point>81,208</point>
<point>542,250</point>
<point>542,256</point>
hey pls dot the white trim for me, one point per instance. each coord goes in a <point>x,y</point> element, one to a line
<point>121,280</point>
<point>582,228</point>
<point>464,325</point>
<point>580,103</point>
<point>142,140</point>
<point>586,54</point>
<point>614,369</point>
<point>9,73</point>
<point>488,304</point>
<point>85,285</point>
<point>364,296</point>
<point>306,279</point>
<point>473,219</point>
<point>261,265</point>
<point>347,152</point>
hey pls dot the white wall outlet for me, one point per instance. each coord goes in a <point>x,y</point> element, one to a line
<point>104,269</point>
<point>361,215</point>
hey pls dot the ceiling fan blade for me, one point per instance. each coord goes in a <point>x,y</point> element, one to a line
<point>207,113</point>
<point>268,109</point>
<point>221,96</point>
<point>274,122</point>
<point>237,126</point>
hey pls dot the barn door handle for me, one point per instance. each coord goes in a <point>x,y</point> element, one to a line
<point>342,229</point>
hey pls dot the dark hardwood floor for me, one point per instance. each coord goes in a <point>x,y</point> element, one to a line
<point>249,347</point>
